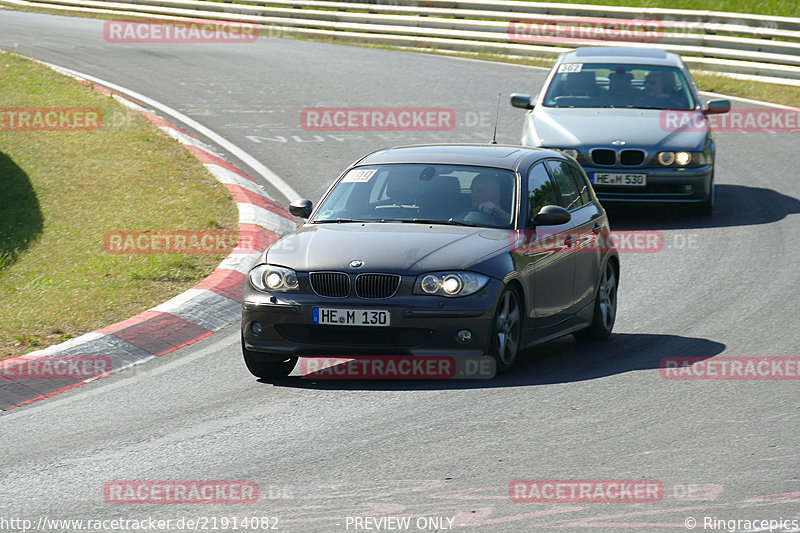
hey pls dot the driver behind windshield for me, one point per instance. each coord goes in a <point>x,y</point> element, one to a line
<point>655,93</point>
<point>485,198</point>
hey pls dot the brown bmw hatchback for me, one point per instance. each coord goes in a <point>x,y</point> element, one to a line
<point>458,250</point>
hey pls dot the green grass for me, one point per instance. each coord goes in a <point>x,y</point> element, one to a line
<point>63,190</point>
<point>783,8</point>
<point>768,92</point>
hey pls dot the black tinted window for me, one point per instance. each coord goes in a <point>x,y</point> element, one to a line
<point>567,186</point>
<point>540,190</point>
<point>582,182</point>
<point>478,196</point>
<point>619,85</point>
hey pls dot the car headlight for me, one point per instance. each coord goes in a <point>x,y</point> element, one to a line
<point>271,278</point>
<point>681,159</point>
<point>450,284</point>
<point>666,158</point>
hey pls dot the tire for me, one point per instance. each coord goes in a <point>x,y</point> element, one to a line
<point>605,308</point>
<point>267,370</point>
<point>506,330</point>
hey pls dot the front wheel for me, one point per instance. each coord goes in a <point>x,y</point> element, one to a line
<point>605,308</point>
<point>506,331</point>
<point>267,370</point>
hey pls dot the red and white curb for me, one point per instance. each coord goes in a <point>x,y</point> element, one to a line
<point>187,318</point>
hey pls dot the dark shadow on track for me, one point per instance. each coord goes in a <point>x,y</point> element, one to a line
<point>561,361</point>
<point>736,205</point>
<point>21,219</point>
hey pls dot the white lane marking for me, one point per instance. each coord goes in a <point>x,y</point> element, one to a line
<point>71,343</point>
<point>249,160</point>
<point>221,341</point>
<point>226,176</point>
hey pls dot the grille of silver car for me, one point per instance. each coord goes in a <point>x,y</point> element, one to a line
<point>330,284</point>
<point>377,285</point>
<point>608,157</point>
<point>604,156</point>
<point>631,157</point>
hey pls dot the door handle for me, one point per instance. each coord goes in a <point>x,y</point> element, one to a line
<point>596,228</point>
<point>568,241</point>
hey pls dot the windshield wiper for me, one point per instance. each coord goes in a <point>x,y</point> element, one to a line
<point>341,221</point>
<point>449,222</point>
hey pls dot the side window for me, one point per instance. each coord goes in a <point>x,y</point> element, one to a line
<point>583,183</point>
<point>540,190</point>
<point>567,187</point>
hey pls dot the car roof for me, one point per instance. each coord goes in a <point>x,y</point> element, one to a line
<point>621,54</point>
<point>487,155</point>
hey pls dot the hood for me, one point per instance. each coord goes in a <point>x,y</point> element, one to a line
<point>385,247</point>
<point>591,127</point>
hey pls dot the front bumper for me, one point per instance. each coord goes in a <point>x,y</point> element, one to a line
<point>419,325</point>
<point>664,185</point>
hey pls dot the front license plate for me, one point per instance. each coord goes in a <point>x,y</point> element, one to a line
<point>624,180</point>
<point>350,317</point>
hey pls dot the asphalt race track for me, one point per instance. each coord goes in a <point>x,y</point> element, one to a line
<point>330,455</point>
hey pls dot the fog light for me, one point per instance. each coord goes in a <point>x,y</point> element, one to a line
<point>464,336</point>
<point>255,327</point>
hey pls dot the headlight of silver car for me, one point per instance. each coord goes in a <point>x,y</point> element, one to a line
<point>450,284</point>
<point>271,278</point>
<point>681,159</point>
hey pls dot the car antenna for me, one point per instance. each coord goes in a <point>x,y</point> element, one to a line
<point>496,115</point>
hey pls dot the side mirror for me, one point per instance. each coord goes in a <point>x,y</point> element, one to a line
<point>715,107</point>
<point>552,215</point>
<point>522,101</point>
<point>301,208</point>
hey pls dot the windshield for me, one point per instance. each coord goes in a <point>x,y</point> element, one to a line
<point>605,85</point>
<point>421,193</point>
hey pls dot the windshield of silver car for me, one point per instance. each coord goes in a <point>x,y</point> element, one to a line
<point>606,85</point>
<point>422,193</point>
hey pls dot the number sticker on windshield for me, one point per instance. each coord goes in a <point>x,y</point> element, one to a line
<point>570,67</point>
<point>362,175</point>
